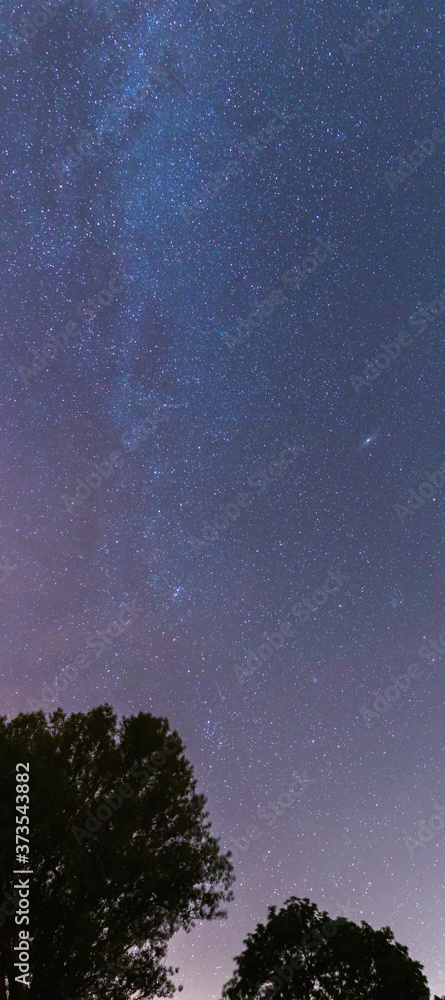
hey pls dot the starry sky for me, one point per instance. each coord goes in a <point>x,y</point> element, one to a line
<point>200,152</point>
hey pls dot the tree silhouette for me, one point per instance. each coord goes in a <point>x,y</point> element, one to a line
<point>120,853</point>
<point>301,954</point>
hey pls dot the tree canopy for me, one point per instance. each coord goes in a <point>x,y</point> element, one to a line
<point>301,954</point>
<point>120,851</point>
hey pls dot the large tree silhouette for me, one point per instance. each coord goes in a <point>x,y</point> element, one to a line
<point>113,880</point>
<point>301,954</point>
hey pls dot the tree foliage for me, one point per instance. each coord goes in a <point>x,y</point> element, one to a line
<point>106,895</point>
<point>301,954</point>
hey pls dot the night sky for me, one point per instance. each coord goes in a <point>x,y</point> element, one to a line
<point>220,148</point>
